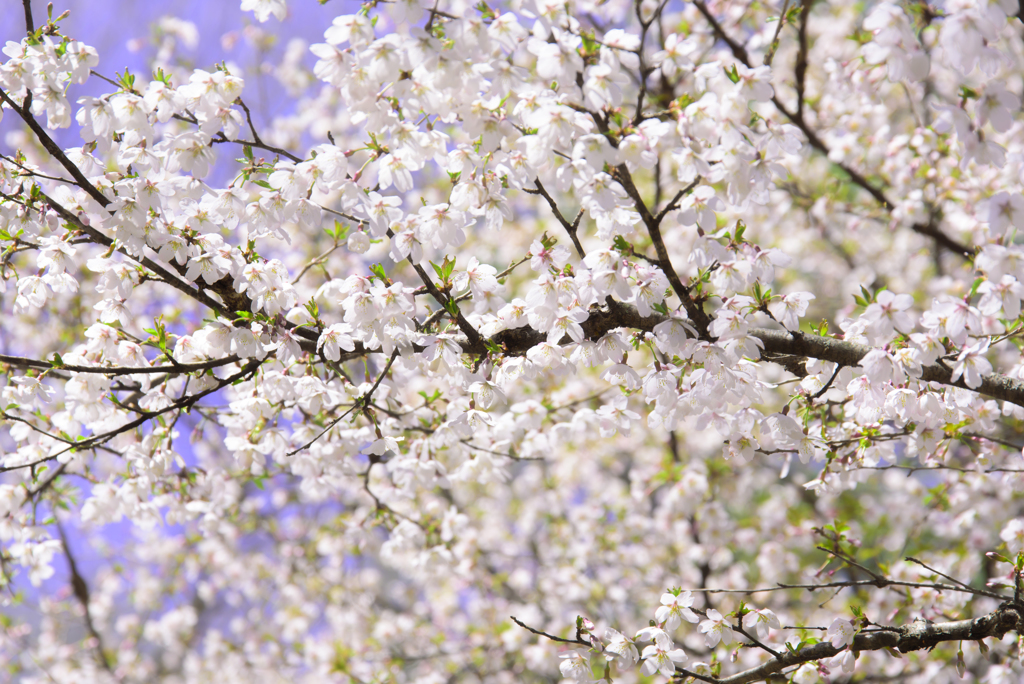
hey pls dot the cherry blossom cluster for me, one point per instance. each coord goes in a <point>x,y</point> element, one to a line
<point>531,308</point>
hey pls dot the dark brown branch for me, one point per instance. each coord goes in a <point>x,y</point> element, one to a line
<point>81,591</point>
<point>739,628</point>
<point>165,276</point>
<point>693,309</point>
<point>30,26</point>
<point>552,637</point>
<point>780,346</point>
<point>910,470</point>
<point>256,137</point>
<point>570,228</point>
<point>671,206</point>
<point>880,581</point>
<point>911,559</point>
<point>223,287</point>
<point>50,146</point>
<point>800,70</point>
<point>622,174</point>
<point>467,329</point>
<point>221,138</point>
<point>850,354</point>
<point>846,584</point>
<point>183,403</point>
<point>776,342</point>
<point>32,173</point>
<point>361,403</point>
<point>916,636</point>
<point>737,48</point>
<point>22,362</point>
<point>644,70</point>
<point>225,292</point>
<point>827,385</point>
<point>931,230</point>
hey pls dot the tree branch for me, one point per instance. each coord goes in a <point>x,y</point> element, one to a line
<point>256,137</point>
<point>30,26</point>
<point>850,354</point>
<point>178,368</point>
<point>774,45</point>
<point>917,636</point>
<point>81,591</point>
<point>54,149</point>
<point>185,402</point>
<point>800,70</point>
<point>780,346</point>
<point>552,637</point>
<point>570,228</point>
<point>817,143</point>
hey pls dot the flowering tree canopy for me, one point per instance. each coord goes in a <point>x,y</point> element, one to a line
<point>599,340</point>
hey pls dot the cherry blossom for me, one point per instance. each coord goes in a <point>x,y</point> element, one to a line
<point>675,608</point>
<point>1013,535</point>
<point>972,365</point>
<point>661,658</point>
<point>328,361</point>
<point>716,629</point>
<point>840,633</point>
<point>761,621</point>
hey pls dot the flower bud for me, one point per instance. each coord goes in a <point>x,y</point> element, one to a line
<point>359,242</point>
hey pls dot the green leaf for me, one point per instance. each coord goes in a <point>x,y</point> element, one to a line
<point>444,271</point>
<point>620,245</point>
<point>378,272</point>
<point>313,308</point>
<point>126,81</point>
<point>975,286</point>
<point>741,228</point>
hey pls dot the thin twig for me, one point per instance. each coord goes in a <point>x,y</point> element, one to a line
<point>570,228</point>
<point>769,649</point>
<point>821,392</point>
<point>770,55</point>
<point>552,637</point>
<point>911,559</point>
<point>361,403</point>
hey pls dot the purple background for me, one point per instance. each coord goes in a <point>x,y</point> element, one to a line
<point>123,34</point>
